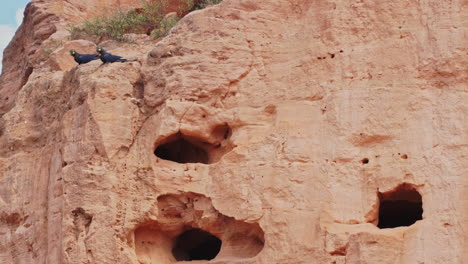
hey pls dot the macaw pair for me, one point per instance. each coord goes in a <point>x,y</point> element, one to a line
<point>105,56</point>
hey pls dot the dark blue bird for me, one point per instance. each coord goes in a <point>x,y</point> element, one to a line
<point>83,58</point>
<point>106,57</point>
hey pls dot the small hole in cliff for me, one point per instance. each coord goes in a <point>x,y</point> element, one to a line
<point>365,161</point>
<point>222,131</point>
<point>196,244</point>
<point>404,156</point>
<point>182,149</point>
<point>139,90</point>
<point>400,207</point>
<point>26,75</point>
<point>2,128</point>
<point>332,56</point>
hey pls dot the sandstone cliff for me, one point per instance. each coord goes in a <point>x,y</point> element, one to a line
<point>271,131</point>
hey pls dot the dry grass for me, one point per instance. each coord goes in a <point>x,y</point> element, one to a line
<point>149,19</point>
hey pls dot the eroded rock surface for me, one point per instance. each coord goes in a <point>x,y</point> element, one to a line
<point>280,128</point>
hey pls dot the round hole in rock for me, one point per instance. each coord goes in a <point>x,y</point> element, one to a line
<point>365,161</point>
<point>400,207</point>
<point>196,244</point>
<point>182,150</point>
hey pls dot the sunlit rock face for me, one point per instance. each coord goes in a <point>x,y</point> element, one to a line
<point>257,131</point>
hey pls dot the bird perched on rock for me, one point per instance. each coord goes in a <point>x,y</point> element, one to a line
<point>83,58</point>
<point>106,57</point>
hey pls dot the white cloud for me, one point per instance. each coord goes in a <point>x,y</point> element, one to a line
<point>6,34</point>
<point>19,16</point>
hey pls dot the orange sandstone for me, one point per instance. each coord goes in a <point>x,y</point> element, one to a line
<point>293,132</point>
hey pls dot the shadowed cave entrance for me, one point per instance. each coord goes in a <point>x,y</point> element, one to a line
<point>400,207</point>
<point>182,149</point>
<point>196,244</point>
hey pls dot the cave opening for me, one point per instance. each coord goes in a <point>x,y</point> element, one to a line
<point>181,149</point>
<point>400,207</point>
<point>196,244</point>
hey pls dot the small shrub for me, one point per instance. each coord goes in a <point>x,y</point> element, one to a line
<point>205,3</point>
<point>164,27</point>
<point>192,5</point>
<point>75,32</point>
<point>47,52</point>
<point>187,6</point>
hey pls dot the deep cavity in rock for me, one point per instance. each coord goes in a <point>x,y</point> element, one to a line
<point>401,206</point>
<point>181,148</point>
<point>196,244</point>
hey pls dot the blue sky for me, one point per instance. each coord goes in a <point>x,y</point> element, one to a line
<point>8,11</point>
<point>11,15</point>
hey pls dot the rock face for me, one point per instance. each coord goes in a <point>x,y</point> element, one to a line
<point>44,29</point>
<point>258,131</point>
